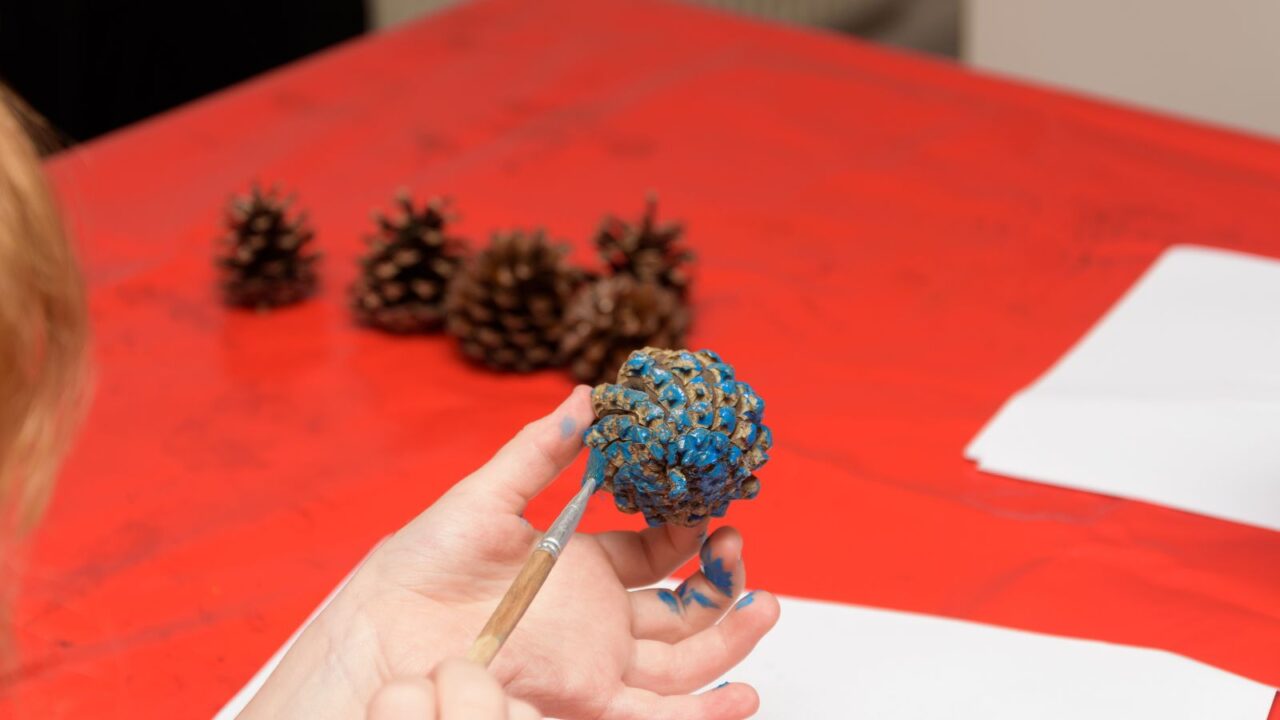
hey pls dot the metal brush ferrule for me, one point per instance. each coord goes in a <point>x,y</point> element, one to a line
<point>557,536</point>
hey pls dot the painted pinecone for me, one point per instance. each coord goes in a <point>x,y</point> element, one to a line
<point>264,262</point>
<point>614,316</point>
<point>403,278</point>
<point>506,305</point>
<point>680,436</point>
<point>646,249</point>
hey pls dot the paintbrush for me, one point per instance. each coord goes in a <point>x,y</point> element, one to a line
<point>678,438</point>
<point>536,569</point>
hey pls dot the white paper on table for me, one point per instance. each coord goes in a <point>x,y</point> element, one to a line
<point>825,660</point>
<point>1172,398</point>
<point>831,661</point>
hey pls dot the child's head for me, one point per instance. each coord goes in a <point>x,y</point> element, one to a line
<point>43,326</point>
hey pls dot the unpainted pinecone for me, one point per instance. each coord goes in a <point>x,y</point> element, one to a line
<point>404,276</point>
<point>646,249</point>
<point>507,303</point>
<point>264,262</point>
<point>613,316</point>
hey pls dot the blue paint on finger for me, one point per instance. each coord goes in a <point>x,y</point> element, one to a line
<point>689,596</point>
<point>703,600</point>
<point>726,682</point>
<point>720,577</point>
<point>567,427</point>
<point>670,599</point>
<point>746,600</point>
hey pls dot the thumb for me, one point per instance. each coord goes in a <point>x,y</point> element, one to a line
<point>535,456</point>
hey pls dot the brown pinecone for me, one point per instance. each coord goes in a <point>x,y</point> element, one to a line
<point>410,262</point>
<point>265,262</point>
<point>507,302</point>
<point>614,316</point>
<point>646,250</point>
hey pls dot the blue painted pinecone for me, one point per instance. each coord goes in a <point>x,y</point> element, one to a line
<point>681,437</point>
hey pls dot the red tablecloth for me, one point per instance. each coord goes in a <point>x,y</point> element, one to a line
<point>889,246</point>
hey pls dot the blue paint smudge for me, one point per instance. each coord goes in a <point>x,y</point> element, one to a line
<point>703,600</point>
<point>726,682</point>
<point>670,599</point>
<point>746,600</point>
<point>567,427</point>
<point>689,596</point>
<point>720,577</point>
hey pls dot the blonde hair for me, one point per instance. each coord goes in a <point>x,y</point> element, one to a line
<point>43,326</point>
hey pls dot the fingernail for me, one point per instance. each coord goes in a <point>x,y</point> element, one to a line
<point>746,600</point>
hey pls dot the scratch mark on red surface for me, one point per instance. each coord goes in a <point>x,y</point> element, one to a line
<point>71,654</point>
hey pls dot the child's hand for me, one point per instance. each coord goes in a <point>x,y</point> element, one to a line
<point>457,690</point>
<point>588,646</point>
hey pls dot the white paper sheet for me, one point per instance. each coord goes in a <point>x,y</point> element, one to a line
<point>825,660</point>
<point>1172,398</point>
<point>829,661</point>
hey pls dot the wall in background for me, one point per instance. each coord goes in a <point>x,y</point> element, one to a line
<point>828,13</point>
<point>1215,60</point>
<point>91,66</point>
<point>386,13</point>
<point>927,25</point>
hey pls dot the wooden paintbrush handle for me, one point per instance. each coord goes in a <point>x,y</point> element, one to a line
<point>511,609</point>
<point>536,568</point>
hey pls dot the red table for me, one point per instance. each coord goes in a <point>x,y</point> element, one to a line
<point>889,246</point>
